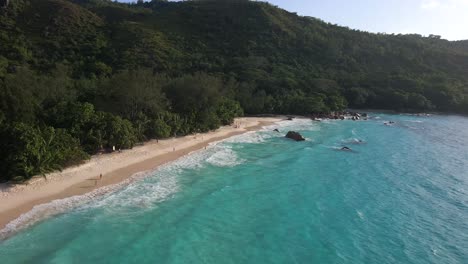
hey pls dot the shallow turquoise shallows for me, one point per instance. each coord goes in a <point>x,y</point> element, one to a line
<point>401,196</point>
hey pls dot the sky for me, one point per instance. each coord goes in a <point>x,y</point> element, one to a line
<point>448,18</point>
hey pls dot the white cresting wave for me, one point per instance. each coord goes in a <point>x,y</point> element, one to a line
<point>354,141</point>
<point>224,157</point>
<point>253,137</point>
<point>144,194</point>
<point>296,124</point>
<point>162,182</point>
<point>151,186</point>
<point>55,207</point>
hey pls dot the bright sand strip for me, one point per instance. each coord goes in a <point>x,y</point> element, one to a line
<point>16,200</point>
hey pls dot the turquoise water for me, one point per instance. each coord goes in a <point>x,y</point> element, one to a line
<point>400,197</point>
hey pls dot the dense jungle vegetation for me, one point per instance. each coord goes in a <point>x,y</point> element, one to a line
<point>81,76</point>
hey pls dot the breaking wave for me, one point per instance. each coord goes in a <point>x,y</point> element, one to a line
<point>152,187</point>
<point>224,157</point>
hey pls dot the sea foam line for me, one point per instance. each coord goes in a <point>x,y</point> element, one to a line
<point>58,206</point>
<point>193,160</point>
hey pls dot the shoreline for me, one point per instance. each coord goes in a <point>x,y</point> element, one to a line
<point>396,112</point>
<point>17,200</point>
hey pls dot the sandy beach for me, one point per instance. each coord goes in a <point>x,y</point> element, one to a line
<point>16,200</point>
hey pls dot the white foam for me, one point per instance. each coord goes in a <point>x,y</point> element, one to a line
<point>42,211</point>
<point>224,157</point>
<point>155,189</point>
<point>158,185</point>
<point>414,121</point>
<point>360,214</point>
<point>331,121</point>
<point>163,185</point>
<point>250,137</point>
<point>353,141</point>
<point>295,124</point>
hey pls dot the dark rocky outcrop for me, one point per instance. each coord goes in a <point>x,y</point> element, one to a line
<point>295,136</point>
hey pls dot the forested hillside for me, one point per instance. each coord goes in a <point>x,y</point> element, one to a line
<point>80,76</point>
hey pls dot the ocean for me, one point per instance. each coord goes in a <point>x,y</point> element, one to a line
<point>399,196</point>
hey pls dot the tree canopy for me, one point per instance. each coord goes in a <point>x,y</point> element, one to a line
<point>82,76</point>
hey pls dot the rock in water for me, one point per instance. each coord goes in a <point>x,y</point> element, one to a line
<point>295,135</point>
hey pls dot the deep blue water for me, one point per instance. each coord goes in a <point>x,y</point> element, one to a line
<point>399,197</point>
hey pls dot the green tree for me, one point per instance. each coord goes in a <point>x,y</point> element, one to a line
<point>227,110</point>
<point>130,93</point>
<point>118,132</point>
<point>30,151</point>
<point>158,129</point>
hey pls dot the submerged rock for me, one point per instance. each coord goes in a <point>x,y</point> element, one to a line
<point>295,135</point>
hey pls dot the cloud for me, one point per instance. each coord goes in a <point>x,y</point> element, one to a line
<point>430,4</point>
<point>443,4</point>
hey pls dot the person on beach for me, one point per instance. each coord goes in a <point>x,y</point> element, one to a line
<point>173,148</point>
<point>100,176</point>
